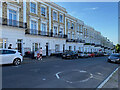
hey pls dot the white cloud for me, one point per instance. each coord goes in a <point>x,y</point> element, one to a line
<point>93,8</point>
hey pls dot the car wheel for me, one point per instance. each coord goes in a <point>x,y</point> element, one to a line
<point>17,62</point>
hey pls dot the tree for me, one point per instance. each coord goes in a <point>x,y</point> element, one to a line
<point>118,48</point>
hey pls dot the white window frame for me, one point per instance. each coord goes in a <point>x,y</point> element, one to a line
<point>54,30</point>
<point>13,21</point>
<point>58,48</point>
<point>30,7</point>
<point>15,8</point>
<point>73,25</point>
<point>69,36</point>
<point>62,17</point>
<point>56,15</point>
<point>73,35</point>
<point>45,10</point>
<point>45,28</point>
<point>69,25</point>
<point>33,19</point>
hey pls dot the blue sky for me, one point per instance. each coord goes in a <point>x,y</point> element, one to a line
<point>103,16</point>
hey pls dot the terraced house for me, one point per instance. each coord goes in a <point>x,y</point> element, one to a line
<point>29,25</point>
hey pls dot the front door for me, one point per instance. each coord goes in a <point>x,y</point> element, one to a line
<point>19,45</point>
<point>46,49</point>
<point>63,47</point>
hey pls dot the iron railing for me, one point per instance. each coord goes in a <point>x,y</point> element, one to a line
<point>42,33</point>
<point>75,40</point>
<point>92,44</point>
<point>14,23</point>
<point>98,45</point>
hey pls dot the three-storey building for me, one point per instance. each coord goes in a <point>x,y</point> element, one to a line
<point>29,25</point>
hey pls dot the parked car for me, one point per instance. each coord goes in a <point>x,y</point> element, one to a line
<point>90,54</point>
<point>106,54</point>
<point>96,54</point>
<point>9,56</point>
<point>81,54</point>
<point>70,54</point>
<point>101,54</point>
<point>114,58</point>
<point>86,55</point>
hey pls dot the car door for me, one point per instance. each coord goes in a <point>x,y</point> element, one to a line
<point>8,56</point>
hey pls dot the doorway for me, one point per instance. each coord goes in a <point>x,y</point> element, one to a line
<point>19,45</point>
<point>46,49</point>
<point>63,47</point>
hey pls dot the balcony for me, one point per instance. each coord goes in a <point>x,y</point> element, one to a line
<point>70,40</point>
<point>105,47</point>
<point>92,44</point>
<point>75,40</point>
<point>41,33</point>
<point>13,23</point>
<point>98,45</point>
<point>102,46</point>
<point>87,44</point>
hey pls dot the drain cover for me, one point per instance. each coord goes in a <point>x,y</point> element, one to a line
<point>74,76</point>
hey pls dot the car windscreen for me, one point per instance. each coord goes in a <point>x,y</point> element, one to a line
<point>115,55</point>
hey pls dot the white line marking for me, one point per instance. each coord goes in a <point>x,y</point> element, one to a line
<point>105,81</point>
<point>81,71</point>
<point>57,75</point>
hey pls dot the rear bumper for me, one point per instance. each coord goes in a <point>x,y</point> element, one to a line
<point>66,56</point>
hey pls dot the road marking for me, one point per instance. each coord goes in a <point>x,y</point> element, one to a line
<point>106,80</point>
<point>82,71</point>
<point>16,66</point>
<point>43,79</point>
<point>57,75</point>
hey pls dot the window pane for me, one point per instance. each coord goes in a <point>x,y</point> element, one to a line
<point>14,20</point>
<point>33,8</point>
<point>61,18</point>
<point>10,18</point>
<point>8,52</point>
<point>54,15</point>
<point>42,10</point>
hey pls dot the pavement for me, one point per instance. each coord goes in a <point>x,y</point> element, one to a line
<point>55,72</point>
<point>113,82</point>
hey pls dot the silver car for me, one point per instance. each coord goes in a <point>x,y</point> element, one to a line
<point>114,58</point>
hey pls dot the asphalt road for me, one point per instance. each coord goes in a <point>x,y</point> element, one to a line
<point>58,73</point>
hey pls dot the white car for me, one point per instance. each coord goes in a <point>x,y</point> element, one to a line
<point>8,56</point>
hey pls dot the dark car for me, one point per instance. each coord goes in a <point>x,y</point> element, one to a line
<point>96,54</point>
<point>70,55</point>
<point>114,58</point>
